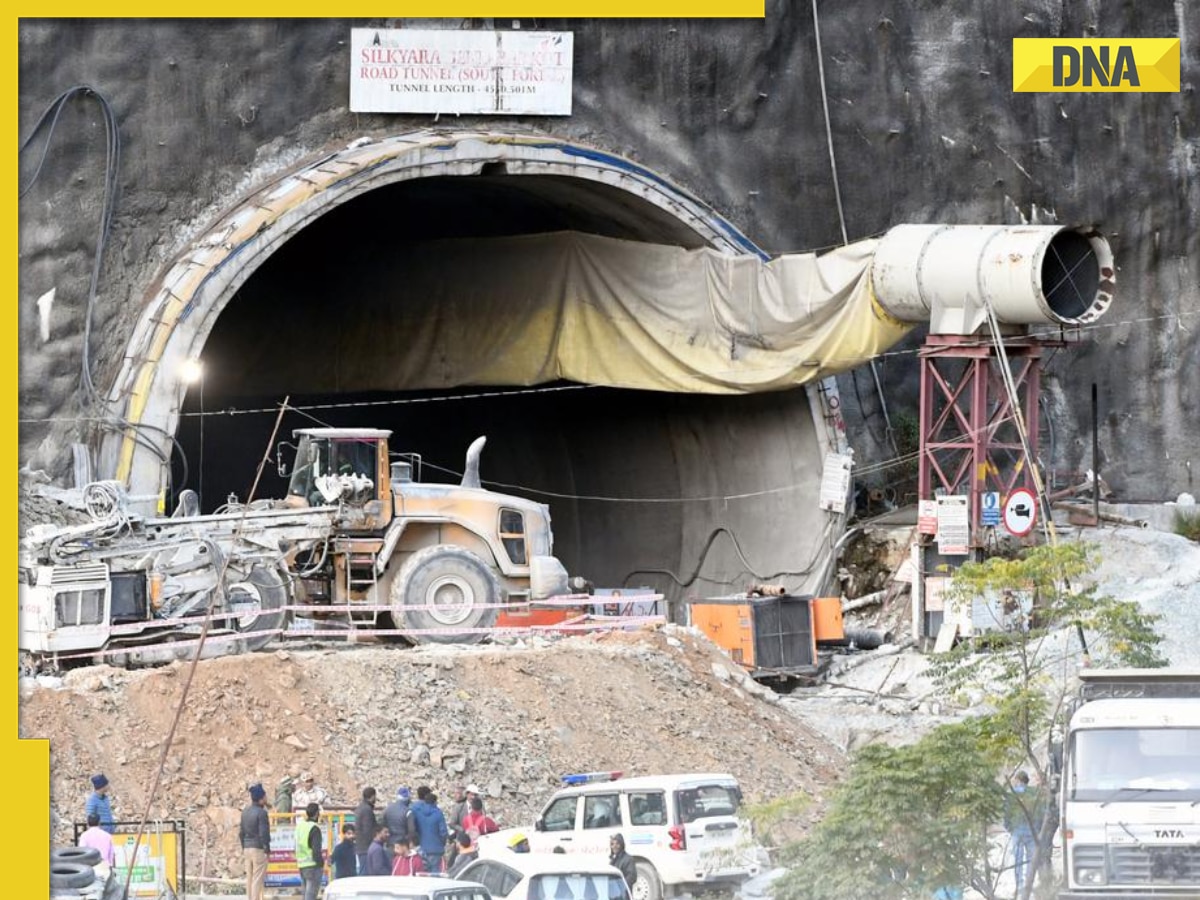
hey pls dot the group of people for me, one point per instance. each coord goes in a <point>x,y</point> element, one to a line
<point>407,837</point>
<point>411,836</point>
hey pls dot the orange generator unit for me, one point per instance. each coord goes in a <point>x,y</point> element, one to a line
<point>772,637</point>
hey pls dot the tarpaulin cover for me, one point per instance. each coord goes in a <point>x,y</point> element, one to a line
<point>539,308</point>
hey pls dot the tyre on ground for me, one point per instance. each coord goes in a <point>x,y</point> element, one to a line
<point>70,874</point>
<point>87,856</point>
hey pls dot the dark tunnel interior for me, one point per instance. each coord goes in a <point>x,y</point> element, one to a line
<point>636,481</point>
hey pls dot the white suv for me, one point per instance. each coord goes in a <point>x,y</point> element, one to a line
<point>683,831</point>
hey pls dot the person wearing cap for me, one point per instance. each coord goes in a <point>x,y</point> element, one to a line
<point>459,807</point>
<point>99,803</point>
<point>255,837</point>
<point>398,815</point>
<point>283,794</point>
<point>518,843</point>
<point>309,792</point>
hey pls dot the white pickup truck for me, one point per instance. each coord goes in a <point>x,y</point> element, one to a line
<point>683,831</point>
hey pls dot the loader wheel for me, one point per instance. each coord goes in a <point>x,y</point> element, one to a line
<point>446,589</point>
<point>256,604</point>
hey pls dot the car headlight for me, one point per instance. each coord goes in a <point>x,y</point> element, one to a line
<point>1090,876</point>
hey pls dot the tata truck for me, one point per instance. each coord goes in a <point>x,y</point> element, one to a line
<point>1130,786</point>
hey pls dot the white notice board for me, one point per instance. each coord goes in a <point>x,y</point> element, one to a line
<point>835,482</point>
<point>953,525</point>
<point>515,73</point>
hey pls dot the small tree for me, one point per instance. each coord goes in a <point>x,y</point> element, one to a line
<point>905,822</point>
<point>910,820</point>
<point>1025,683</point>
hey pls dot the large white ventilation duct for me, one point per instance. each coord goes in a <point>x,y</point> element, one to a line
<point>1031,274</point>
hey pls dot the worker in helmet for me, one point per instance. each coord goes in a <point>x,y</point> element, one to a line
<point>518,843</point>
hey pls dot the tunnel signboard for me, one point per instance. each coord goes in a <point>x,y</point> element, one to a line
<point>451,71</point>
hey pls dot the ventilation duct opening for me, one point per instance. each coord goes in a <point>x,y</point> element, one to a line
<point>948,275</point>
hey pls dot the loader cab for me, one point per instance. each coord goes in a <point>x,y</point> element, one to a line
<point>346,467</point>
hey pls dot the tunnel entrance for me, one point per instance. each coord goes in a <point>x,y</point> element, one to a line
<point>632,478</point>
<point>692,495</point>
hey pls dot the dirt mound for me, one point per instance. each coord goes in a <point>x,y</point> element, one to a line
<point>509,718</point>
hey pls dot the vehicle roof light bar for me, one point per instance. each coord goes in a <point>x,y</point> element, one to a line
<point>590,777</point>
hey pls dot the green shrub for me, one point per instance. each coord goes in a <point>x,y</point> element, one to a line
<point>1188,524</point>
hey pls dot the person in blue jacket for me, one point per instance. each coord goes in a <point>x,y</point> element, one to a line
<point>432,831</point>
<point>99,804</point>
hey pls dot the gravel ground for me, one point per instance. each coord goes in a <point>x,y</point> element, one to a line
<point>1161,571</point>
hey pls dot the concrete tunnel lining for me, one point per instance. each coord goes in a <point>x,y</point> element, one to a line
<point>645,445</point>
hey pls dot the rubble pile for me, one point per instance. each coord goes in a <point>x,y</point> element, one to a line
<point>511,719</point>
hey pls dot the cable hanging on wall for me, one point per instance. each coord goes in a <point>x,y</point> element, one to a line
<point>49,121</point>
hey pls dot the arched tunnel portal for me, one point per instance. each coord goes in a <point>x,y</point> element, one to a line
<point>294,294</point>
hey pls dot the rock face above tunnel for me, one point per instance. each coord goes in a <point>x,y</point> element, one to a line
<point>925,128</point>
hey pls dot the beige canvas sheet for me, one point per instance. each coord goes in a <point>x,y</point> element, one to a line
<point>539,308</point>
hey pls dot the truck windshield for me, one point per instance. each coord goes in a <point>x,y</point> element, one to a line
<point>1127,764</point>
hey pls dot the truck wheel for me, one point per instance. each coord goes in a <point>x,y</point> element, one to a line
<point>648,885</point>
<point>256,603</point>
<point>70,875</point>
<point>456,589</point>
<point>85,856</point>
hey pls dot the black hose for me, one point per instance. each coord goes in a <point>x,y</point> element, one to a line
<point>720,529</point>
<point>111,169</point>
